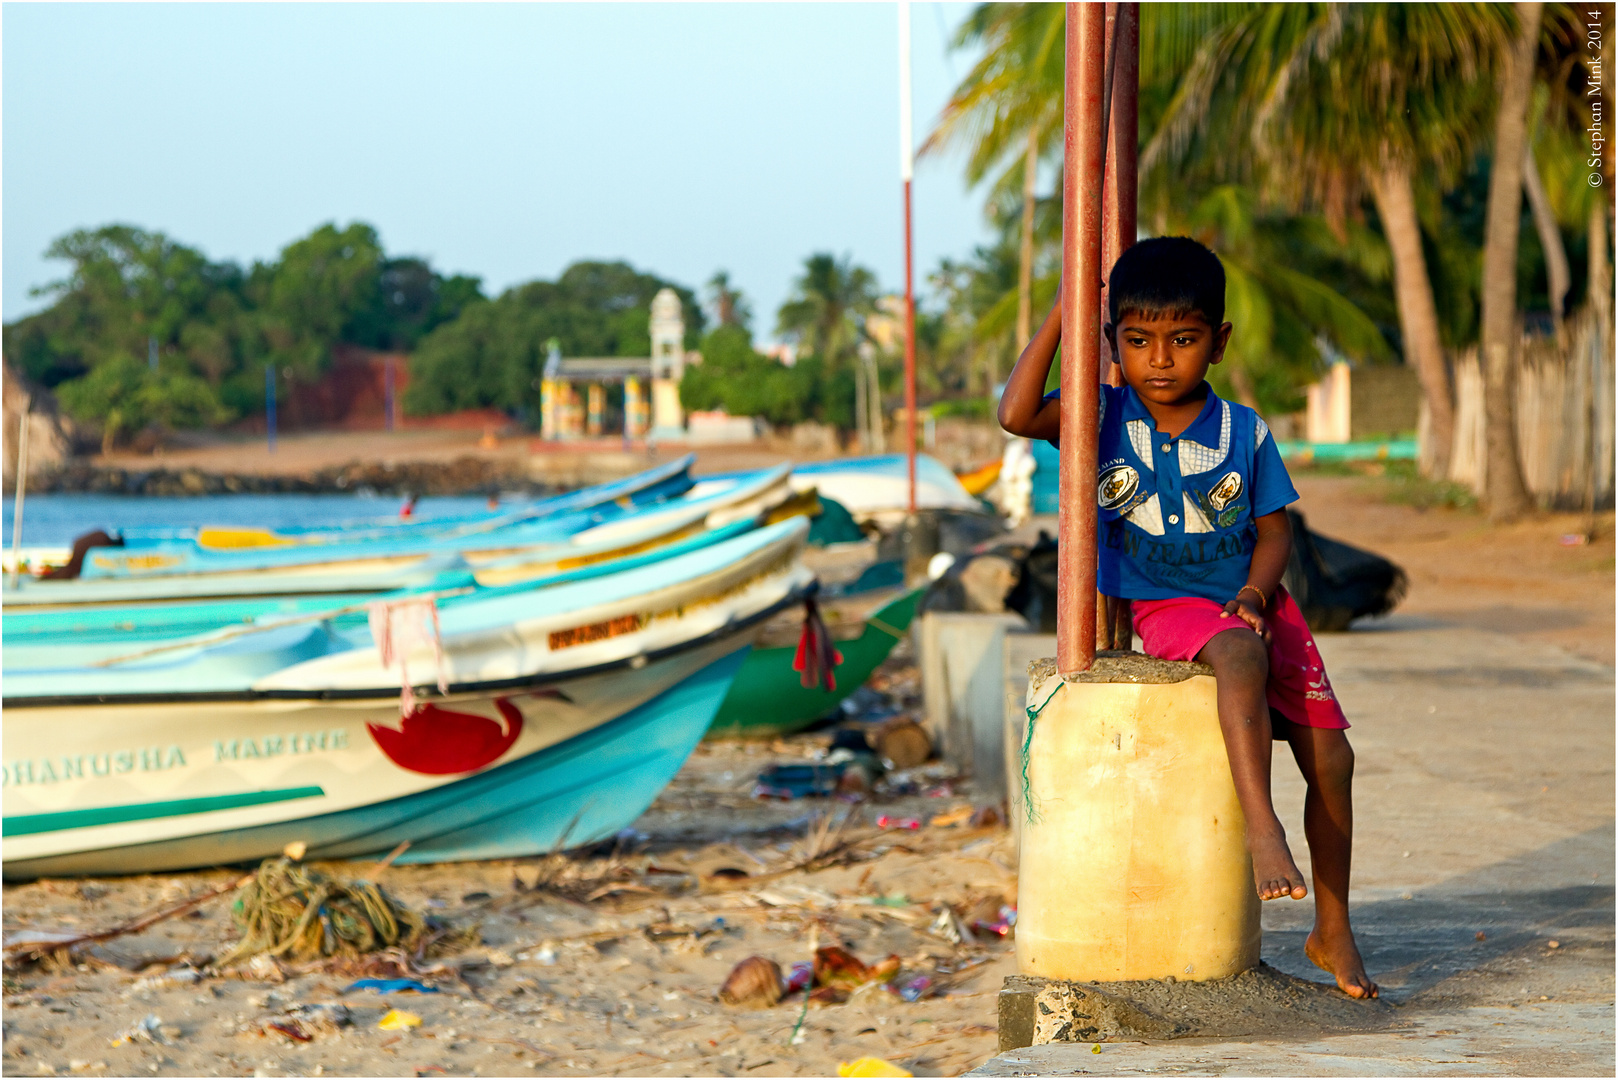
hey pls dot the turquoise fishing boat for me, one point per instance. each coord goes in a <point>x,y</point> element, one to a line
<point>559,715</point>
<point>514,552</point>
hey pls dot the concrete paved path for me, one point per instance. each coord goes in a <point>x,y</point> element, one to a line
<point>1484,832</point>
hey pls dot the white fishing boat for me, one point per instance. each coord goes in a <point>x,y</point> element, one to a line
<point>564,712</point>
<point>877,489</point>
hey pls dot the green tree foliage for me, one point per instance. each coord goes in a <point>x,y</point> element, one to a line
<point>494,354</point>
<point>125,288</point>
<point>827,310</point>
<point>826,315</point>
<point>1277,296</point>
<point>1258,124</point>
<point>975,346</point>
<point>734,377</point>
<point>214,327</point>
<point>410,301</point>
<point>316,293</point>
<point>123,395</point>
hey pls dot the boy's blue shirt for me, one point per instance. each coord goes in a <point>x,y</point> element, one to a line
<point>1178,516</point>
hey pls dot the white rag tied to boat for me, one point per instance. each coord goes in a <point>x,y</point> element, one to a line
<point>397,626</point>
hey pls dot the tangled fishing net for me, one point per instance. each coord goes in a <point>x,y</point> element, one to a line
<point>294,912</point>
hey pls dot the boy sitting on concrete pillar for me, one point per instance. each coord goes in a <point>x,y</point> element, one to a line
<point>1192,524</point>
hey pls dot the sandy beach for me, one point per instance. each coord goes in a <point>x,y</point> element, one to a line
<point>595,964</point>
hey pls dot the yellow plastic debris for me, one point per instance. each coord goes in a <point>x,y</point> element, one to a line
<point>398,1020</point>
<point>870,1066</point>
<point>1096,1049</point>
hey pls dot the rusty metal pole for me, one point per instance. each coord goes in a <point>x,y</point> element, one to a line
<point>1113,623</point>
<point>1081,336</point>
<point>907,158</point>
<point>1118,214</point>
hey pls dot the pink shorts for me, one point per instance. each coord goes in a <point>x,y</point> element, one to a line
<point>1298,689</point>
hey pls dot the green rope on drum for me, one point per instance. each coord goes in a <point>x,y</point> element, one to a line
<point>1029,809</point>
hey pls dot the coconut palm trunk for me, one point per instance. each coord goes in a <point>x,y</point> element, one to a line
<point>1558,275</point>
<point>1600,287</point>
<point>1025,257</point>
<point>1395,197</point>
<point>1503,487</point>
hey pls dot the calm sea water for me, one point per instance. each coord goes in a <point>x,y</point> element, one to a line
<point>57,519</point>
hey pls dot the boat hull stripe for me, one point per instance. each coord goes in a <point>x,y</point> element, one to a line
<point>30,824</point>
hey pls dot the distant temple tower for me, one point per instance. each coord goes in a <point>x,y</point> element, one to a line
<point>668,365</point>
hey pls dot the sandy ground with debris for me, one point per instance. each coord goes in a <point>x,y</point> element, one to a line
<point>608,963</point>
<point>610,967</point>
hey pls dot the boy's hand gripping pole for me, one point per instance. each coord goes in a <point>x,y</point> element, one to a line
<point>1082,183</point>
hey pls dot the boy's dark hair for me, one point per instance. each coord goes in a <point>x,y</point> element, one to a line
<point>1165,277</point>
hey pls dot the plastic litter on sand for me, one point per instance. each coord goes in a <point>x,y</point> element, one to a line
<point>398,1020</point>
<point>390,986</point>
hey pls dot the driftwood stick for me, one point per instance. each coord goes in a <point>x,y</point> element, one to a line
<point>387,860</point>
<point>39,948</point>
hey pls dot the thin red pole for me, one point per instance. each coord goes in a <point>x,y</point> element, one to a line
<point>910,352</point>
<point>906,169</point>
<point>1081,336</point>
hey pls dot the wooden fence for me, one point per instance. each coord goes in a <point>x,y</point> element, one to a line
<point>1565,423</point>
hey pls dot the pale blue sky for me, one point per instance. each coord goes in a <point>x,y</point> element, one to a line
<point>502,140</point>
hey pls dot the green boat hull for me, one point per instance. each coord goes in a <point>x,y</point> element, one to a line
<point>767,699</point>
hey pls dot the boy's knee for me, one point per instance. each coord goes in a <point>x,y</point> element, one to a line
<point>1237,653</point>
<point>1337,759</point>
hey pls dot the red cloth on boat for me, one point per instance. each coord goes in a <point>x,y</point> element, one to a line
<point>816,656</point>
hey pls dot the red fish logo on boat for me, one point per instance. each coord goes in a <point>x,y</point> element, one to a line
<point>437,741</point>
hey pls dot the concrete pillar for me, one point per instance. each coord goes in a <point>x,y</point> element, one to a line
<point>1133,862</point>
<point>668,416</point>
<point>962,681</point>
<point>1018,651</point>
<point>597,405</point>
<point>574,424</point>
<point>549,429</point>
<point>634,409</point>
<point>1328,413</point>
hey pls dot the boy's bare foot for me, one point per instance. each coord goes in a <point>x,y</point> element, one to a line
<point>1274,872</point>
<point>1337,954</point>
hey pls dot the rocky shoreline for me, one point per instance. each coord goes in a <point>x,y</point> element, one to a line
<point>466,475</point>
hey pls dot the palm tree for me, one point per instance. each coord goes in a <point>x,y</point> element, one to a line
<point>1320,100</point>
<point>1504,491</point>
<point>1007,109</point>
<point>1553,170</point>
<point>1276,294</point>
<point>826,313</point>
<point>730,306</point>
<point>827,309</point>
